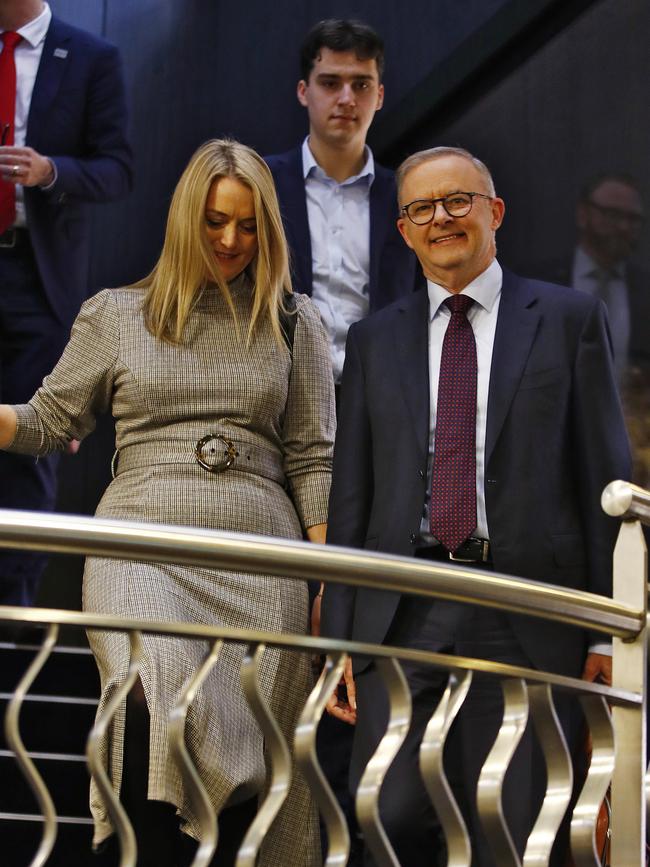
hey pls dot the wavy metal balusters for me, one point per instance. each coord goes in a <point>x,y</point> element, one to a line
<point>559,773</point>
<point>338,836</point>
<point>280,759</point>
<point>490,782</point>
<point>196,791</point>
<point>119,818</point>
<point>459,850</point>
<point>367,800</point>
<point>15,742</point>
<point>585,812</point>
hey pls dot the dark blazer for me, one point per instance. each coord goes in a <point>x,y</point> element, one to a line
<point>392,264</point>
<point>555,438</point>
<point>78,118</point>
<point>638,284</point>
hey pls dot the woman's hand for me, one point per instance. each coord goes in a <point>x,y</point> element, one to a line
<point>8,424</point>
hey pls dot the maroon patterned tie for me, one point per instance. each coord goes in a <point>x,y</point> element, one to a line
<point>453,475</point>
<point>7,118</point>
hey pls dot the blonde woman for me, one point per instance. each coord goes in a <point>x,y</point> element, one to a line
<point>195,364</point>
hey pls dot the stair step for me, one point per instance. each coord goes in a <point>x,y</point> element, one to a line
<point>66,778</point>
<point>53,724</point>
<point>68,670</point>
<point>19,839</point>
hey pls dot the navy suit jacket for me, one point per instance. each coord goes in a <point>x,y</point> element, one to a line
<point>555,438</point>
<point>392,264</point>
<point>78,119</point>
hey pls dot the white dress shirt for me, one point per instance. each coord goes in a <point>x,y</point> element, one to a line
<point>27,56</point>
<point>339,228</point>
<point>482,315</point>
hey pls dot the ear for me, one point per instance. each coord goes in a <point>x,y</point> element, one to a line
<point>498,211</point>
<point>301,92</point>
<point>380,97</point>
<point>402,229</point>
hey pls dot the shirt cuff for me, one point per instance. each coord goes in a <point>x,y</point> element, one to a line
<point>605,649</point>
<point>47,187</point>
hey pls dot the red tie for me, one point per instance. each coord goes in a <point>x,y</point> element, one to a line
<point>453,475</point>
<point>7,121</point>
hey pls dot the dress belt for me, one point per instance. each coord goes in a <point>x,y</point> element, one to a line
<point>472,550</point>
<point>214,453</point>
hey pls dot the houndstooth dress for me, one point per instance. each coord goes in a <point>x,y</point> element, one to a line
<point>280,415</point>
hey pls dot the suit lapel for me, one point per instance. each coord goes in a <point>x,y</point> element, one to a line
<point>291,192</point>
<point>51,68</point>
<point>412,346</point>
<point>382,212</point>
<point>517,325</point>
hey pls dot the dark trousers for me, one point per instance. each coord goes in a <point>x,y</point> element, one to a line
<point>405,806</point>
<point>31,342</point>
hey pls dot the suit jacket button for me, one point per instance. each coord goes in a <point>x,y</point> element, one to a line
<point>412,538</point>
<point>421,474</point>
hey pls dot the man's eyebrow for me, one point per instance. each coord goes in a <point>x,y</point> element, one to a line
<point>356,77</point>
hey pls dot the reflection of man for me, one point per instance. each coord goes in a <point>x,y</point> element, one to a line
<point>479,422</point>
<point>337,204</point>
<point>63,121</point>
<point>609,218</point>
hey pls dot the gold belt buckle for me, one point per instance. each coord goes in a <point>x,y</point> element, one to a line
<point>230,453</point>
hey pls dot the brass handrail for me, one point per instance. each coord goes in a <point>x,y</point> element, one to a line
<point>190,546</point>
<point>523,688</point>
<point>311,645</point>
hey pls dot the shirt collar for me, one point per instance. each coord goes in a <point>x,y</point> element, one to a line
<point>310,167</point>
<point>35,31</point>
<point>484,289</point>
<point>585,266</point>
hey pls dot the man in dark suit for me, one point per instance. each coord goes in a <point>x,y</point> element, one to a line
<point>338,205</point>
<point>64,146</point>
<point>479,423</point>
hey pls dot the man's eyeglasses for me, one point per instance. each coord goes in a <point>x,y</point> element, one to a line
<point>616,215</point>
<point>422,211</point>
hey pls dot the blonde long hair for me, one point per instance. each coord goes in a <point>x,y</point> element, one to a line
<point>186,264</point>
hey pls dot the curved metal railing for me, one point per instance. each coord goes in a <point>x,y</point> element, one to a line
<point>526,692</point>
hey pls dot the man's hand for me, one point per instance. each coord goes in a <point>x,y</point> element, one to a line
<point>25,166</point>
<point>341,708</point>
<point>598,667</point>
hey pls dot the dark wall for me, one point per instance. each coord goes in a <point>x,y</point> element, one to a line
<point>575,108</point>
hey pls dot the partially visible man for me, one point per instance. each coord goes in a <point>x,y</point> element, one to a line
<point>479,423</point>
<point>64,145</point>
<point>339,209</point>
<point>337,203</point>
<point>609,218</point>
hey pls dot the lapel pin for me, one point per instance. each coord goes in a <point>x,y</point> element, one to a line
<point>61,52</point>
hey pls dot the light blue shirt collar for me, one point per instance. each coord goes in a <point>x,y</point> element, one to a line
<point>310,167</point>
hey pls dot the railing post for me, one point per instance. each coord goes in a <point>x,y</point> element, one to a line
<point>628,824</point>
